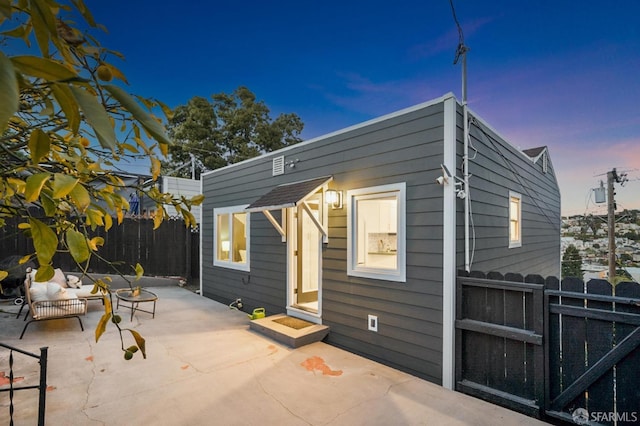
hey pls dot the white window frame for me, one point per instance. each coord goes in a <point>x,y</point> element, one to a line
<point>515,242</point>
<point>399,274</point>
<point>229,263</point>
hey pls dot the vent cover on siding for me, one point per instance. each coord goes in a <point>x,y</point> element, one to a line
<point>278,166</point>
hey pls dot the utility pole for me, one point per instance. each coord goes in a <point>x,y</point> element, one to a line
<point>611,223</point>
<point>612,177</point>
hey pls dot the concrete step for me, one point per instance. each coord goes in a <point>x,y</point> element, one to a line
<point>275,327</point>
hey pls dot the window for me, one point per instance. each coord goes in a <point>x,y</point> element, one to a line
<point>231,237</point>
<point>515,220</point>
<point>376,232</point>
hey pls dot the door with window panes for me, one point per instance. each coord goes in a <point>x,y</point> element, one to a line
<point>307,243</point>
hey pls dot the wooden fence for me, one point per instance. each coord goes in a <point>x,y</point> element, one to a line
<point>171,250</point>
<point>563,351</point>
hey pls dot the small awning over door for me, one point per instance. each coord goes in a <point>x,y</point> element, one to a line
<point>291,195</point>
<point>288,194</point>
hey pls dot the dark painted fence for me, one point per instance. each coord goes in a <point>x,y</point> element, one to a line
<point>499,333</point>
<point>561,351</point>
<point>170,250</point>
<point>594,351</point>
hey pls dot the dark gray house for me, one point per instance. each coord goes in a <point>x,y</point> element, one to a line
<point>364,229</point>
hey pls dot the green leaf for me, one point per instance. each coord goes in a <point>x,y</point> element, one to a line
<point>139,271</point>
<point>68,105</point>
<point>46,200</point>
<point>45,241</point>
<point>5,10</point>
<point>63,185</point>
<point>44,273</point>
<point>79,4</point>
<point>9,95</point>
<point>140,342</point>
<point>43,24</point>
<point>148,122</point>
<point>96,116</point>
<point>102,325</point>
<point>80,197</point>
<point>34,186</point>
<point>39,145</point>
<point>196,200</point>
<point>77,243</point>
<point>47,69</point>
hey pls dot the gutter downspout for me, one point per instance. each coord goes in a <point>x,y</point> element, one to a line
<point>465,165</point>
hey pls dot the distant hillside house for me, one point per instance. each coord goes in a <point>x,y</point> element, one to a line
<point>182,187</point>
<point>369,221</point>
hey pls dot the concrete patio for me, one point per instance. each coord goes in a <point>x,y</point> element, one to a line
<point>205,367</point>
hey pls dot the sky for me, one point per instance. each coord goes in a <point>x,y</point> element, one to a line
<point>561,73</point>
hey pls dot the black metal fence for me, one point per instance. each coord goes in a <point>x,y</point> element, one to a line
<point>171,250</point>
<point>41,386</point>
<point>563,351</point>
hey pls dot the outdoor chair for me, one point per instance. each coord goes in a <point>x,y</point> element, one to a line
<point>49,301</point>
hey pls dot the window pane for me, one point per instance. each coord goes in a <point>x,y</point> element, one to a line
<point>239,237</point>
<point>377,232</point>
<point>515,204</point>
<point>514,220</point>
<point>514,231</point>
<point>224,242</point>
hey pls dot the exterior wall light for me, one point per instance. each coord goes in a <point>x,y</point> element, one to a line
<point>333,198</point>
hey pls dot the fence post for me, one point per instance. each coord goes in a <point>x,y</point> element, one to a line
<point>43,385</point>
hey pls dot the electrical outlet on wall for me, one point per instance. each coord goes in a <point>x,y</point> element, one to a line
<point>372,321</point>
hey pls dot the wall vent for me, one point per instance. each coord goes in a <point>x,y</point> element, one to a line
<point>278,166</point>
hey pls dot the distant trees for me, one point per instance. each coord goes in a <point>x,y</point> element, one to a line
<point>230,128</point>
<point>572,263</point>
<point>57,95</point>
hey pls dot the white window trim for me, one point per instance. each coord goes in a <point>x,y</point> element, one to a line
<point>518,242</point>
<point>229,264</point>
<point>398,275</point>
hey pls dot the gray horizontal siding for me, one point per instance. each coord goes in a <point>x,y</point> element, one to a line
<point>405,148</point>
<point>496,167</point>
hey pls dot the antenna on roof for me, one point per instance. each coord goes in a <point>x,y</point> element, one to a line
<point>461,50</point>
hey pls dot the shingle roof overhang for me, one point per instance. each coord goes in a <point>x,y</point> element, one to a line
<point>288,194</point>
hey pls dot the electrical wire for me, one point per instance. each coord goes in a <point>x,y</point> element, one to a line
<point>520,179</point>
<point>461,49</point>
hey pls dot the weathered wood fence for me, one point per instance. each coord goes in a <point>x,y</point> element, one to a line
<point>566,351</point>
<point>171,250</point>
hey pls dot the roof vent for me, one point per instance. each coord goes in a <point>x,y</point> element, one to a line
<point>278,166</point>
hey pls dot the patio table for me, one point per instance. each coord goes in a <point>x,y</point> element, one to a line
<point>126,295</point>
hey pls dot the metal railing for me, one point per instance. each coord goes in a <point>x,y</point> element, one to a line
<point>42,386</point>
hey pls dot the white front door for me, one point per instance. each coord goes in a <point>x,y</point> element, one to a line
<point>305,249</point>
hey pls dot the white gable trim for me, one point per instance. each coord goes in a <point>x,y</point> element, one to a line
<point>418,107</point>
<point>449,248</point>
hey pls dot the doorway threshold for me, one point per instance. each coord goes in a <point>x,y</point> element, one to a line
<point>288,330</point>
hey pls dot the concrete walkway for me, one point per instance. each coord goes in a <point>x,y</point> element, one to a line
<point>204,367</point>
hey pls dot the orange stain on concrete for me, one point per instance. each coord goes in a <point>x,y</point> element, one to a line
<point>89,358</point>
<point>51,388</point>
<point>4,380</point>
<point>184,367</point>
<point>315,363</point>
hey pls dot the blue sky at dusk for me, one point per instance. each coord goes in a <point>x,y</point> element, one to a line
<point>559,73</point>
